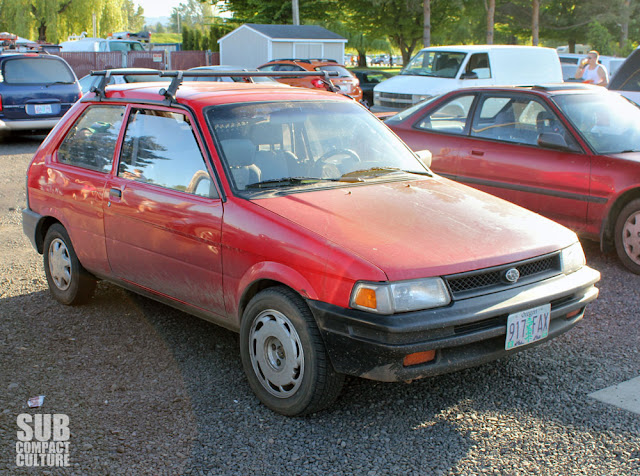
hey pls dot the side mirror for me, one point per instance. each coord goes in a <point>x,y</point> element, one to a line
<point>469,75</point>
<point>424,156</point>
<point>553,140</point>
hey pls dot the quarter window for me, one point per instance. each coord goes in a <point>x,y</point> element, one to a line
<point>91,142</point>
<point>450,117</point>
<point>160,148</point>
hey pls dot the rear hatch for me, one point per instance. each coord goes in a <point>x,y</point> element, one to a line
<point>345,80</point>
<point>36,87</point>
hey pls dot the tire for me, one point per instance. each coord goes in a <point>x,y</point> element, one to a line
<point>627,236</point>
<point>283,354</point>
<point>69,282</point>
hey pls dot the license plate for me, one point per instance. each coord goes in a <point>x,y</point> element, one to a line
<point>528,326</point>
<point>43,109</point>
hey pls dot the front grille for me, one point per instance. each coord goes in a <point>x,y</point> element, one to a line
<point>492,279</point>
<point>396,101</point>
<point>394,96</point>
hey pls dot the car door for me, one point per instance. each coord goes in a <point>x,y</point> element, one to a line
<point>502,157</point>
<point>77,176</point>
<point>443,131</point>
<point>163,215</point>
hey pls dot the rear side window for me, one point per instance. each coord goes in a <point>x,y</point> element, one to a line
<point>160,148</point>
<point>342,71</point>
<point>36,70</point>
<point>91,142</point>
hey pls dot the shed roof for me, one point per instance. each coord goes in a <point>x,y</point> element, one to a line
<point>293,32</point>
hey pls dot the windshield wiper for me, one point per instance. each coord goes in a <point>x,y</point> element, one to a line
<point>286,182</point>
<point>379,171</point>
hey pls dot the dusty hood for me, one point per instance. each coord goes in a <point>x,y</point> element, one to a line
<point>423,228</point>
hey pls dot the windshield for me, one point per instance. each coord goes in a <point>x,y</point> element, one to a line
<point>37,70</point>
<point>609,122</point>
<point>306,143</point>
<point>440,64</point>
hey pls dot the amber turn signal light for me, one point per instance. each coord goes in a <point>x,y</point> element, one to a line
<point>419,358</point>
<point>366,297</point>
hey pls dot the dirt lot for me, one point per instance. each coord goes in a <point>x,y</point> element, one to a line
<point>149,390</point>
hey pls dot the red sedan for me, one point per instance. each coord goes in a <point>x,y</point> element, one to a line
<point>570,152</point>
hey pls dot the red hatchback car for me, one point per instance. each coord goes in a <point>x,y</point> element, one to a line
<point>331,251</point>
<point>569,152</point>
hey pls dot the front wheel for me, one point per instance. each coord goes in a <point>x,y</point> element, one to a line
<point>283,354</point>
<point>69,282</point>
<point>627,236</point>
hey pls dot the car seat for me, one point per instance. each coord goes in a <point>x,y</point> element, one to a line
<point>240,155</point>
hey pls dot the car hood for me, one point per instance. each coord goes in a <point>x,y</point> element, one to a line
<point>422,228</point>
<point>418,85</point>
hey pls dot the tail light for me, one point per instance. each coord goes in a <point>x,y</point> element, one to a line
<point>317,83</point>
<point>0,103</point>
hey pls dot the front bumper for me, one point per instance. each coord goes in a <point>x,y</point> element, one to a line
<point>466,333</point>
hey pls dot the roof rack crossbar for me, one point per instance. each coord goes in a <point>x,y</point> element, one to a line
<point>177,77</point>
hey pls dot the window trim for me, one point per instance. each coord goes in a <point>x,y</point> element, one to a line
<point>466,132</point>
<point>197,133</point>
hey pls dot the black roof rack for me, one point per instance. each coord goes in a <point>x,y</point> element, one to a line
<point>306,60</point>
<point>176,78</point>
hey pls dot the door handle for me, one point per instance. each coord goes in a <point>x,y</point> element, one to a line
<point>479,153</point>
<point>115,193</point>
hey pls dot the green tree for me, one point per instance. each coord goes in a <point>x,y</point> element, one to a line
<point>280,12</point>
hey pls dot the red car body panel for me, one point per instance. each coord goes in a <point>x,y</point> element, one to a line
<point>419,216</point>
<point>576,189</point>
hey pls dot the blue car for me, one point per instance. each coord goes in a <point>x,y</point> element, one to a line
<point>35,90</point>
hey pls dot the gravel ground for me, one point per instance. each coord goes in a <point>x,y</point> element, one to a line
<point>150,390</point>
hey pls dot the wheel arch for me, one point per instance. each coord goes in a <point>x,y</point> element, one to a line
<point>267,275</point>
<point>607,233</point>
<point>41,231</point>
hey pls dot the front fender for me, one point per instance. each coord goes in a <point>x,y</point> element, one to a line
<point>270,271</point>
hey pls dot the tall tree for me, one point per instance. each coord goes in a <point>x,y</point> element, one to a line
<point>535,22</point>
<point>426,33</point>
<point>491,11</point>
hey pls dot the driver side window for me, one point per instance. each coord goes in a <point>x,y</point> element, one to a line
<point>450,118</point>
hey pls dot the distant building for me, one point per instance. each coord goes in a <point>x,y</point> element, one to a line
<point>252,45</point>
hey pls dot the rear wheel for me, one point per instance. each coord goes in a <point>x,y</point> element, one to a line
<point>627,236</point>
<point>69,282</point>
<point>283,354</point>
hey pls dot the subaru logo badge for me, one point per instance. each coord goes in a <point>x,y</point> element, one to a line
<point>512,275</point>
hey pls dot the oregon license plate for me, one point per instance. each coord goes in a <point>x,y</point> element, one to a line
<point>528,326</point>
<point>43,109</point>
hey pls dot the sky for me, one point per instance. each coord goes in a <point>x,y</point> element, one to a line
<point>158,8</point>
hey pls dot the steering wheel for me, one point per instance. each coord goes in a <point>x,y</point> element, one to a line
<point>330,163</point>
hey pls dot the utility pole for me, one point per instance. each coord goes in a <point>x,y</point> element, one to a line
<point>296,12</point>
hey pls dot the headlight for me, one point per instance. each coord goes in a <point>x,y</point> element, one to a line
<point>376,95</point>
<point>416,98</point>
<point>572,258</point>
<point>401,296</point>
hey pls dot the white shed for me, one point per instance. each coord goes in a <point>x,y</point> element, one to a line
<point>252,45</point>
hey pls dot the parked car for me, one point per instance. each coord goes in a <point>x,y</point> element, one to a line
<point>36,90</point>
<point>627,79</point>
<point>142,36</point>
<point>100,45</point>
<point>331,250</point>
<point>438,70</point>
<point>120,76</point>
<point>368,80</point>
<point>570,152</point>
<point>228,79</point>
<point>346,82</point>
